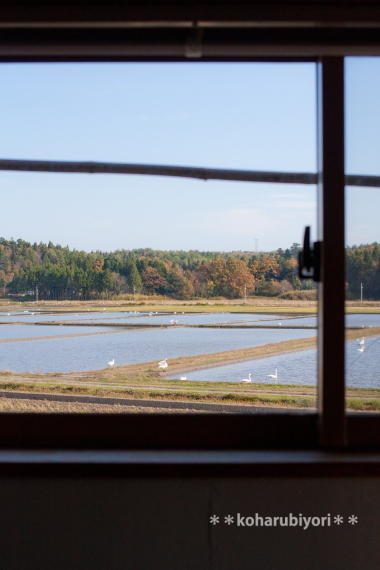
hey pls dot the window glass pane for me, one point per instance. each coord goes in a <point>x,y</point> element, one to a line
<point>362,235</point>
<point>199,276</point>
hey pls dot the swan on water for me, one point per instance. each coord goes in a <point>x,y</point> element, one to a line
<point>111,363</point>
<point>360,349</point>
<point>273,375</point>
<point>246,380</point>
<point>361,341</point>
<point>163,364</point>
<point>183,378</point>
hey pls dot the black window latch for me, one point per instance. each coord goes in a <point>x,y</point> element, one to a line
<point>309,259</point>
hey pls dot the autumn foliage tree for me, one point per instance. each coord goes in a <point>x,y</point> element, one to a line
<point>228,277</point>
<point>152,279</point>
<point>266,267</point>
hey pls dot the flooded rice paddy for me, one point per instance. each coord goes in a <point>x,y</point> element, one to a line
<point>83,353</point>
<point>299,368</point>
<point>187,318</point>
<point>131,347</point>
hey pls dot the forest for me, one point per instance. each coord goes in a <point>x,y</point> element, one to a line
<point>63,273</point>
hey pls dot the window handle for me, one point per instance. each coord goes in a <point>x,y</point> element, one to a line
<point>309,259</point>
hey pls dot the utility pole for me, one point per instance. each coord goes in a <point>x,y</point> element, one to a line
<point>361,292</point>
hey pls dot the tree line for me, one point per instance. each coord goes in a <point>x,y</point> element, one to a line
<point>363,268</point>
<point>61,273</point>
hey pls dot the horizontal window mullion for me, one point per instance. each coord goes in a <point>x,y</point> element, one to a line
<point>54,166</point>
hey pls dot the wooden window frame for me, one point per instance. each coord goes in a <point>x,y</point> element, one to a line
<point>330,427</point>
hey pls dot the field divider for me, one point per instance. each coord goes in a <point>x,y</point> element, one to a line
<point>148,403</point>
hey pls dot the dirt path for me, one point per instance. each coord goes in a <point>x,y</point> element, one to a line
<point>153,404</point>
<point>57,336</point>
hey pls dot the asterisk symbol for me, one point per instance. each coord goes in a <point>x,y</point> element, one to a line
<point>338,519</point>
<point>229,520</point>
<point>214,519</point>
<point>352,519</point>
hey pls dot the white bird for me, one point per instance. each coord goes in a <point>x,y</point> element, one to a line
<point>111,363</point>
<point>273,375</point>
<point>360,349</point>
<point>171,321</point>
<point>247,380</point>
<point>361,341</point>
<point>175,322</point>
<point>279,324</point>
<point>163,364</point>
<point>183,378</point>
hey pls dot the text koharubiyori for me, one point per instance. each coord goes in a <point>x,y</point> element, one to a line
<point>289,520</point>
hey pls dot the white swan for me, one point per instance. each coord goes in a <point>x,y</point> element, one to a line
<point>247,380</point>
<point>111,363</point>
<point>361,341</point>
<point>163,364</point>
<point>274,376</point>
<point>360,349</point>
<point>183,378</point>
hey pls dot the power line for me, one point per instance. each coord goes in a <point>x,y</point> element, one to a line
<point>360,355</point>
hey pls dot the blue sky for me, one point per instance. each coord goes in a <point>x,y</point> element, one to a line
<point>250,116</point>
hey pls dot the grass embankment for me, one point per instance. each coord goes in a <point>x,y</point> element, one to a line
<point>144,381</point>
<point>146,303</point>
<point>278,395</point>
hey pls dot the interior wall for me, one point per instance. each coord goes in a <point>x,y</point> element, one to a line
<point>81,524</point>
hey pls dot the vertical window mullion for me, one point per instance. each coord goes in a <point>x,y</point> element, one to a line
<point>331,334</point>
